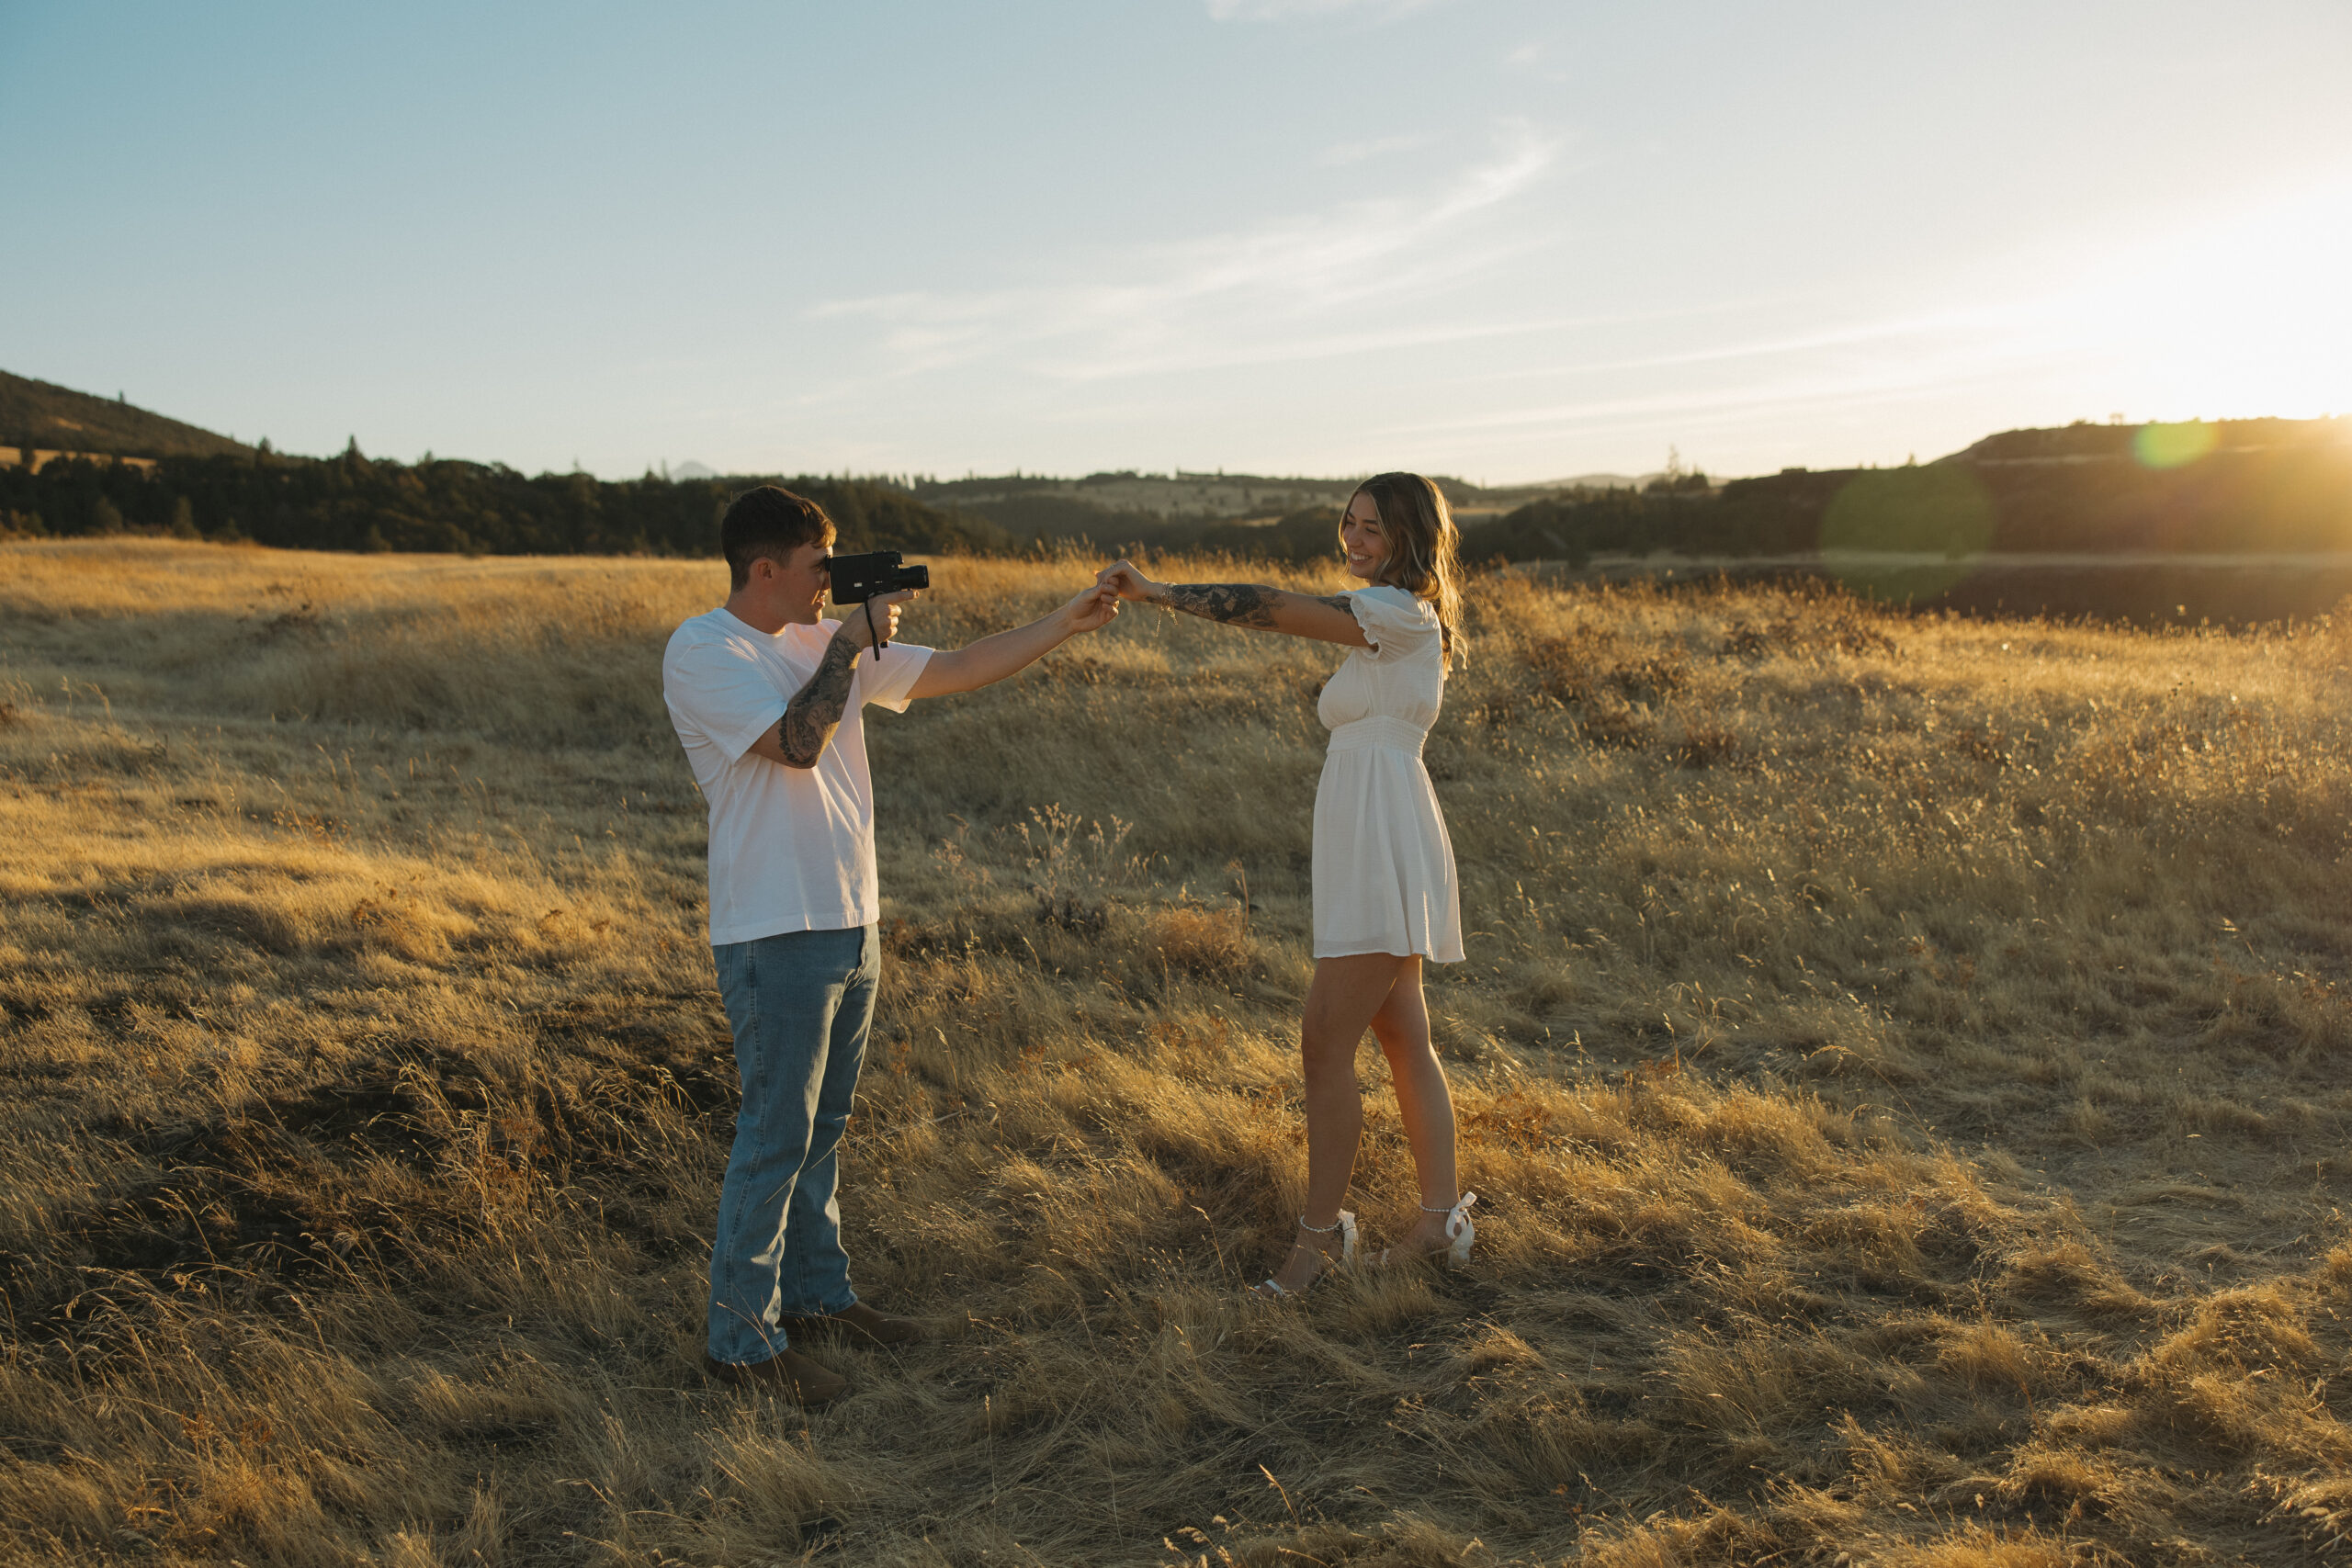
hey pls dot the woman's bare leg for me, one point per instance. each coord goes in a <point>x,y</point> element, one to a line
<point>1341,1004</point>
<point>1423,1103</point>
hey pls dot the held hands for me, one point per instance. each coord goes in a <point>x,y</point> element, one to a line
<point>1122,579</point>
<point>1092,609</point>
<point>885,608</point>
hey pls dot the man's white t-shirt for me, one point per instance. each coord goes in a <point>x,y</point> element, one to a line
<point>791,849</point>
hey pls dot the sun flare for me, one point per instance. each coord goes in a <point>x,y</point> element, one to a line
<point>2247,314</point>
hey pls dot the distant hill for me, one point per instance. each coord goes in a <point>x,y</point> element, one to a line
<point>2151,445</point>
<point>37,414</point>
<point>2225,486</point>
<point>2237,486</point>
<point>1041,506</point>
<point>1115,505</point>
<point>1586,481</point>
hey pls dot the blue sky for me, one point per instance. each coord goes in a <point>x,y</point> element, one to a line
<point>1507,241</point>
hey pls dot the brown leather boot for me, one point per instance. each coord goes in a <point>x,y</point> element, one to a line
<point>789,1376</point>
<point>856,1323</point>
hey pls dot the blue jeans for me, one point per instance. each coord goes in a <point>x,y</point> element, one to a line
<point>799,1004</point>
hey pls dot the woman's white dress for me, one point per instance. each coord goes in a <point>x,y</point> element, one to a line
<point>1383,866</point>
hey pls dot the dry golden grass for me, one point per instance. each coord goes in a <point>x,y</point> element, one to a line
<point>1902,1064</point>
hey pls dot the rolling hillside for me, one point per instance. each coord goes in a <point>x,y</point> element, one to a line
<point>38,414</point>
<point>2089,503</point>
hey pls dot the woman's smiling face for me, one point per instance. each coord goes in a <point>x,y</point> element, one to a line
<point>1363,538</point>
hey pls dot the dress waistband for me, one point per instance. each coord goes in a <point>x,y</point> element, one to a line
<point>1365,733</point>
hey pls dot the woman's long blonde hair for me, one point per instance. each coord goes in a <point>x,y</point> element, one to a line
<point>1424,550</point>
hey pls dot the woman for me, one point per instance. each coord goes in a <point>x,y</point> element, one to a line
<point>1385,891</point>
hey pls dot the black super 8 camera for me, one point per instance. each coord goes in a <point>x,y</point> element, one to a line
<point>857,578</point>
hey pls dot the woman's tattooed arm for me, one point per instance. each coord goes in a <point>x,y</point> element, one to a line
<point>815,710</point>
<point>1234,603</point>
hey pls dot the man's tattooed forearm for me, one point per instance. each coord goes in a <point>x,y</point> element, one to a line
<point>1236,603</point>
<point>815,710</point>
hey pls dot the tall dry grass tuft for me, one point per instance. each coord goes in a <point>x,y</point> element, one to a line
<point>1900,1061</point>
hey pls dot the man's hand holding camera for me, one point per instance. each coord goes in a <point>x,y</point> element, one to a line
<point>874,579</point>
<point>875,618</point>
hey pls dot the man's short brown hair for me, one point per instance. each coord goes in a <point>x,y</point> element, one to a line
<point>772,522</point>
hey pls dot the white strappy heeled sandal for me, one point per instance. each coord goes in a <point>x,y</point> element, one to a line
<point>1346,1226</point>
<point>1459,1233</point>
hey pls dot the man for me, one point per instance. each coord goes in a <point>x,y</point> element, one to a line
<point>765,696</point>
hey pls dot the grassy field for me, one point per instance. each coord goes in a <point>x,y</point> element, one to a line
<point>1902,1064</point>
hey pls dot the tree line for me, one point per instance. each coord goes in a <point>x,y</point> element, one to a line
<point>2253,486</point>
<point>354,502</point>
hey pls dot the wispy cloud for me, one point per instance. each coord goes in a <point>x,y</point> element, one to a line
<point>1294,288</point>
<point>1976,327</point>
<point>1731,396</point>
<point>1930,370</point>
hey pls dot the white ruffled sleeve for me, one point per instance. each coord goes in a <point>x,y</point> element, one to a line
<point>1396,625</point>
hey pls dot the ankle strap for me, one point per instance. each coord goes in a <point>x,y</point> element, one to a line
<point>1319,1230</point>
